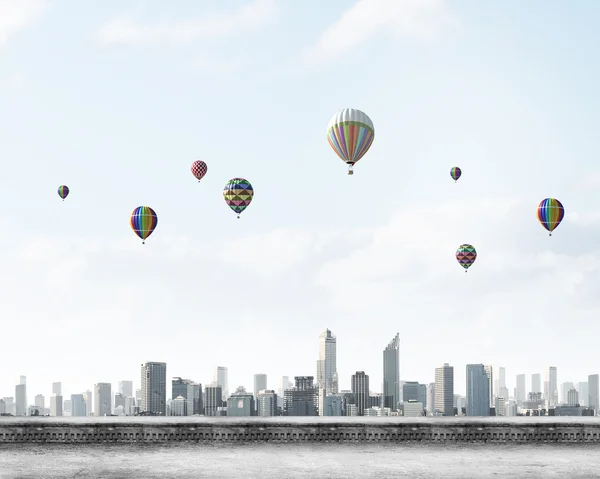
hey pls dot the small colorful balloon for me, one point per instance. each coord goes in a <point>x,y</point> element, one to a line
<point>143,222</point>
<point>199,169</point>
<point>455,173</point>
<point>550,213</point>
<point>63,191</point>
<point>466,256</point>
<point>238,194</point>
<point>350,133</point>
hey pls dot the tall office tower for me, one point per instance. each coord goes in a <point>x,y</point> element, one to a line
<point>102,399</point>
<point>40,402</point>
<point>21,398</point>
<point>78,405</point>
<point>583,390</point>
<point>260,384</point>
<point>564,391</point>
<point>478,390</point>
<point>489,370</point>
<point>360,389</point>
<point>67,407</point>
<point>501,377</point>
<point>267,403</point>
<point>410,391</point>
<point>444,390</point>
<point>551,379</point>
<point>284,384</point>
<point>214,400</point>
<point>188,390</point>
<point>119,400</point>
<point>56,405</point>
<point>430,399</point>
<point>536,383</point>
<point>126,388</point>
<point>89,402</point>
<point>57,388</point>
<point>594,393</point>
<point>572,398</point>
<point>326,364</point>
<point>220,378</point>
<point>154,388</point>
<point>521,389</point>
<point>303,399</point>
<point>391,374</point>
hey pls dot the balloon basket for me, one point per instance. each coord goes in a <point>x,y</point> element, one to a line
<point>350,172</point>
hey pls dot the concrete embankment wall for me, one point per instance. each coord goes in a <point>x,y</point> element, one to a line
<point>200,429</point>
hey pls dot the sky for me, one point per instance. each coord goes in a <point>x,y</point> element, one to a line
<point>116,99</point>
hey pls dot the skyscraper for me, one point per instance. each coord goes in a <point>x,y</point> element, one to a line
<point>220,378</point>
<point>126,388</point>
<point>102,399</point>
<point>444,390</point>
<point>40,402</point>
<point>430,399</point>
<point>490,374</point>
<point>360,389</point>
<point>21,397</point>
<point>77,405</point>
<point>154,388</point>
<point>391,373</point>
<point>536,383</point>
<point>214,400</point>
<point>326,364</point>
<point>57,388</point>
<point>551,379</point>
<point>478,390</point>
<point>521,394</point>
<point>583,390</point>
<point>594,393</point>
<point>260,384</point>
<point>185,388</point>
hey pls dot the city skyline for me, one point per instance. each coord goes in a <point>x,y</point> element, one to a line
<point>118,104</point>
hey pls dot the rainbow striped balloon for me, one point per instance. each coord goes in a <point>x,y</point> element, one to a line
<point>455,173</point>
<point>550,213</point>
<point>350,133</point>
<point>143,222</point>
<point>63,191</point>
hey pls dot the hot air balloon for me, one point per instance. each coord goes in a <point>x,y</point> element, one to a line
<point>455,173</point>
<point>199,169</point>
<point>63,191</point>
<point>466,256</point>
<point>550,213</point>
<point>143,222</point>
<point>238,194</point>
<point>350,133</point>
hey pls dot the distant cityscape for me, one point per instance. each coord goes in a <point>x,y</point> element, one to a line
<point>486,394</point>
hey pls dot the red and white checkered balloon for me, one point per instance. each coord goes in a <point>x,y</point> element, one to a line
<point>199,169</point>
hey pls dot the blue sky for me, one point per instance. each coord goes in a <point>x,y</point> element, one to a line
<point>116,101</point>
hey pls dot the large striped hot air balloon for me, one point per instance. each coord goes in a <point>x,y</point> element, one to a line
<point>63,191</point>
<point>143,222</point>
<point>550,213</point>
<point>466,256</point>
<point>455,173</point>
<point>350,133</point>
<point>238,194</point>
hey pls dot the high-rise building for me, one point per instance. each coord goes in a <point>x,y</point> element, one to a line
<point>78,405</point>
<point>220,378</point>
<point>154,388</point>
<point>564,391</point>
<point>501,377</point>
<point>551,379</point>
<point>260,384</point>
<point>214,400</point>
<point>57,388</point>
<point>391,374</point>
<point>240,403</point>
<point>360,389</point>
<point>536,383</point>
<point>583,390</point>
<point>572,398</point>
<point>444,390</point>
<point>267,403</point>
<point>126,388</point>
<point>89,402</point>
<point>478,390</point>
<point>303,399</point>
<point>102,399</point>
<point>189,391</point>
<point>284,384</point>
<point>56,405</point>
<point>430,399</point>
<point>327,363</point>
<point>119,401</point>
<point>40,402</point>
<point>594,393</point>
<point>521,390</point>
<point>489,370</point>
<point>21,397</point>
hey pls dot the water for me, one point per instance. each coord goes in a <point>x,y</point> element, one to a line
<point>266,461</point>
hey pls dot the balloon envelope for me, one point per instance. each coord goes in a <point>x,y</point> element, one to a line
<point>143,221</point>
<point>199,169</point>
<point>455,173</point>
<point>550,213</point>
<point>63,191</point>
<point>238,194</point>
<point>350,133</point>
<point>466,255</point>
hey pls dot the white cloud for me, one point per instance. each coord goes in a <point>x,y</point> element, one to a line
<point>17,15</point>
<point>125,31</point>
<point>422,19</point>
